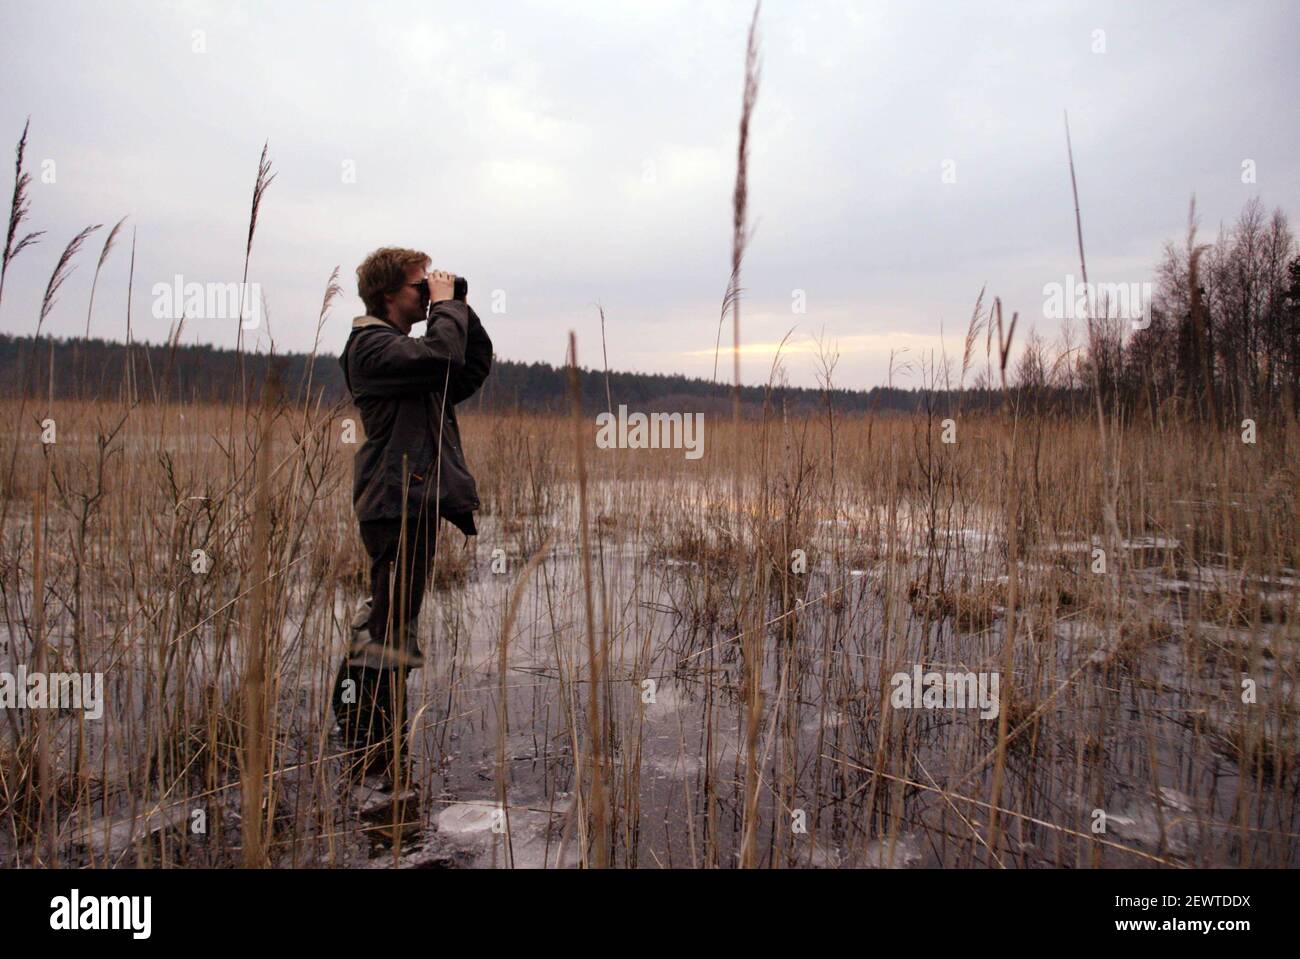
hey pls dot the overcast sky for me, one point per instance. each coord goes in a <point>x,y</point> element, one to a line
<point>568,153</point>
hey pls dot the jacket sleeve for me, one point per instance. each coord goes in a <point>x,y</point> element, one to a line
<point>387,365</point>
<point>448,330</point>
<point>465,382</point>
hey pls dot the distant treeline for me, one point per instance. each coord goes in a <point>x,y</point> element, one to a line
<point>1221,342</point>
<point>1224,337</point>
<point>99,369</point>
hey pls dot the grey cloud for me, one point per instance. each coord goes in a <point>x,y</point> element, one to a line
<point>574,152</point>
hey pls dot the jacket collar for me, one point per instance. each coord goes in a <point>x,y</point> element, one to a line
<point>361,322</point>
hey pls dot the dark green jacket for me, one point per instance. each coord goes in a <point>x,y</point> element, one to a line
<point>406,389</point>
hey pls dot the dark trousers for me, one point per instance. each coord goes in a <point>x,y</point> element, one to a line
<point>371,712</point>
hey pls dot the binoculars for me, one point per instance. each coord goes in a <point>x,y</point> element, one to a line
<point>460,289</point>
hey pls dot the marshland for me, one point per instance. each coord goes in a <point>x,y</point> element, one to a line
<point>1122,658</point>
<point>651,660</point>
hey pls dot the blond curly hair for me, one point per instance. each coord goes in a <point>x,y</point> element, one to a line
<point>384,271</point>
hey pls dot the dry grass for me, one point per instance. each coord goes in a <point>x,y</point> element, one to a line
<point>1091,722</point>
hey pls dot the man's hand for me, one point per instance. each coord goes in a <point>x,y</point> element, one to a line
<point>442,286</point>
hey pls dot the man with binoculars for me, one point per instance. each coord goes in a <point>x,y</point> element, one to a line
<point>409,473</point>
